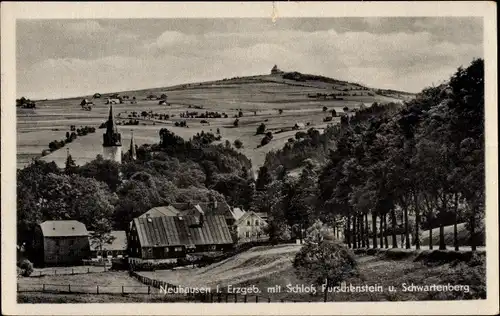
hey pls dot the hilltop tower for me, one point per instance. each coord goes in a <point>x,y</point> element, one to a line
<point>275,70</point>
<point>133,154</point>
<point>112,140</point>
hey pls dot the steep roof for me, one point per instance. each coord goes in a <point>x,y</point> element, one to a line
<point>243,218</point>
<point>168,210</point>
<point>63,228</point>
<point>222,208</point>
<point>176,231</point>
<point>237,213</point>
<point>119,243</point>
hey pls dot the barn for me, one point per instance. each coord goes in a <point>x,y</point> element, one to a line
<point>61,243</point>
<point>170,237</point>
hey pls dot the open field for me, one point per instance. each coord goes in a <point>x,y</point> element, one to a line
<point>258,97</point>
<point>108,282</point>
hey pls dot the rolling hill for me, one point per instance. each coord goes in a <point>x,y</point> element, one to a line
<point>301,98</point>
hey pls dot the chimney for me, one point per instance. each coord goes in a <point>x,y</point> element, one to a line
<point>201,220</point>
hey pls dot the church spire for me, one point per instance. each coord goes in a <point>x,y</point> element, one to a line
<point>133,154</point>
<point>111,121</point>
<point>111,137</point>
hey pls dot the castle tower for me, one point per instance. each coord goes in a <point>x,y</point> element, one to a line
<point>133,154</point>
<point>112,140</point>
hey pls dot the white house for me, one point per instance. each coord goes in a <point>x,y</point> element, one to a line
<point>250,227</point>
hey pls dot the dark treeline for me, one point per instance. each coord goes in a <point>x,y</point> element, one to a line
<point>389,171</point>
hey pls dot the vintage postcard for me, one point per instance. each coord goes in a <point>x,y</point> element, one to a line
<point>301,158</point>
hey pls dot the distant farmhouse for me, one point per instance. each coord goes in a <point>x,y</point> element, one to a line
<point>61,242</point>
<point>114,100</point>
<point>299,125</point>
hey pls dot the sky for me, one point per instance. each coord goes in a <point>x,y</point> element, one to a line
<point>69,58</point>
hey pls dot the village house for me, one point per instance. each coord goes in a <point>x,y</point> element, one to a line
<point>116,249</point>
<point>166,238</point>
<point>61,243</point>
<point>114,100</point>
<point>250,227</point>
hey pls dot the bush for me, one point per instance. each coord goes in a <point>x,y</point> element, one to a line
<point>26,268</point>
<point>325,261</point>
<point>325,109</point>
<point>261,129</point>
<point>265,141</point>
<point>238,144</point>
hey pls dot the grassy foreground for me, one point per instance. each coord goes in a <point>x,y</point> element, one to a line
<point>267,267</point>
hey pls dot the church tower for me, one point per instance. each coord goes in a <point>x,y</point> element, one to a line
<point>112,140</point>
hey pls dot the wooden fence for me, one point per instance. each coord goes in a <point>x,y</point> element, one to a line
<point>70,271</point>
<point>82,289</point>
<point>212,297</point>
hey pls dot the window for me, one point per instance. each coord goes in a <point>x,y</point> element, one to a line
<point>247,234</point>
<point>248,223</point>
<point>213,247</point>
<point>71,242</point>
<point>256,222</point>
<point>178,249</point>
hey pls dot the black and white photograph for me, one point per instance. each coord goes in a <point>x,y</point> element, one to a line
<point>267,159</point>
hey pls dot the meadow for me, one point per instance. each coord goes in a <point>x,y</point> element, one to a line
<point>259,98</point>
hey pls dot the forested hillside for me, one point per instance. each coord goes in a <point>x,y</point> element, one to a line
<point>388,170</point>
